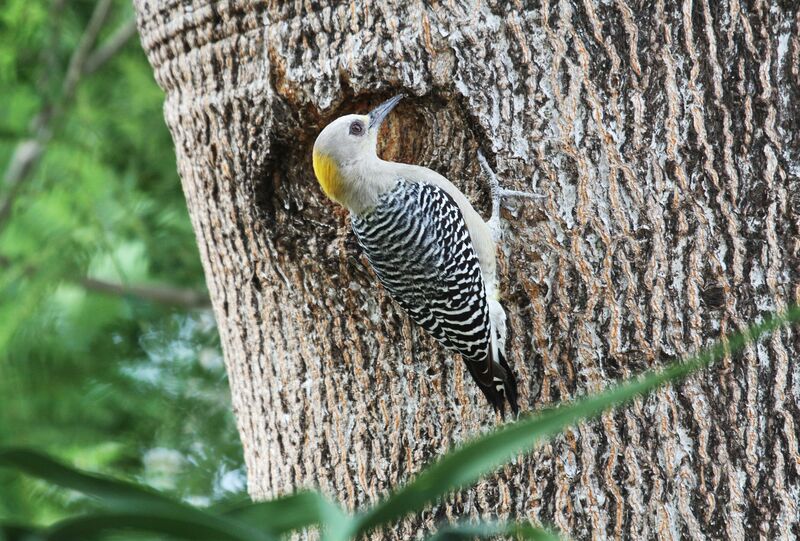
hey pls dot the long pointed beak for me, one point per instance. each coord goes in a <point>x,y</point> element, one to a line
<point>377,115</point>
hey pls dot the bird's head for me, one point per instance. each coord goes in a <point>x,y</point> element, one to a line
<point>345,145</point>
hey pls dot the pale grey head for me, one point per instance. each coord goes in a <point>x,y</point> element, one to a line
<point>345,149</point>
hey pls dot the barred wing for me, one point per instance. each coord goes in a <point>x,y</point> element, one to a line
<point>419,246</point>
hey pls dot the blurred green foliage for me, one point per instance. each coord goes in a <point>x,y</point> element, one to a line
<point>113,383</point>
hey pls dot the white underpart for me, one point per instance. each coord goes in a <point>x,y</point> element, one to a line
<point>497,315</point>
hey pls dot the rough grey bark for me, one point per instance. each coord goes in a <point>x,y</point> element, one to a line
<point>665,135</point>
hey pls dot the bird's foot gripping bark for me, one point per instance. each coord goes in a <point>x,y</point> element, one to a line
<point>498,193</point>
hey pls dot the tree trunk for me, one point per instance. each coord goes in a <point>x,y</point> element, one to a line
<point>665,137</point>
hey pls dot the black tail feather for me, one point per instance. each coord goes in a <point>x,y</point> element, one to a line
<point>510,385</point>
<point>498,398</point>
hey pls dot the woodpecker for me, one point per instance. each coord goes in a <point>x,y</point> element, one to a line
<point>428,246</point>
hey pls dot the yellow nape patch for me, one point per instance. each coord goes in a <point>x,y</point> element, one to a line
<point>328,175</point>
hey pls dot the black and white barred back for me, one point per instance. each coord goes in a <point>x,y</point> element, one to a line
<point>419,246</point>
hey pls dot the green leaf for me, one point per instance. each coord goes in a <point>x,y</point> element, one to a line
<point>474,459</point>
<point>300,510</point>
<point>100,525</point>
<point>112,493</point>
<point>125,497</point>
<point>508,530</point>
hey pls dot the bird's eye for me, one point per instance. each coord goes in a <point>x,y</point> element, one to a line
<point>357,128</point>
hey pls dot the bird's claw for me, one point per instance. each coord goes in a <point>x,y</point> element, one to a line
<point>498,193</point>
